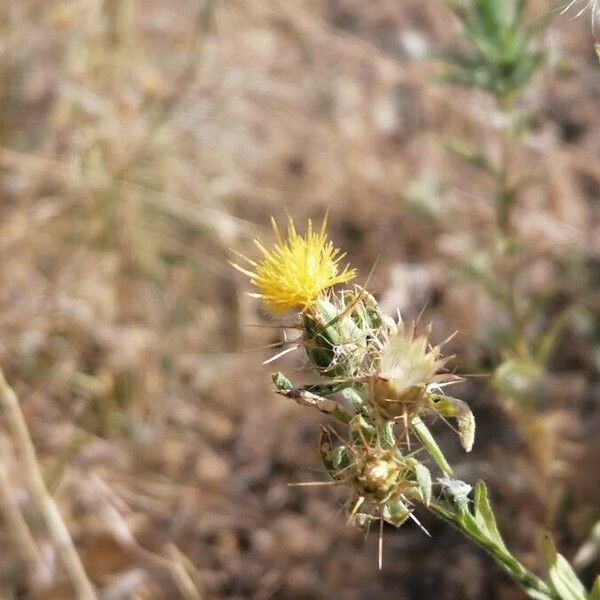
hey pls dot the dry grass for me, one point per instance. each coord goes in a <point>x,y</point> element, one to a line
<point>138,141</point>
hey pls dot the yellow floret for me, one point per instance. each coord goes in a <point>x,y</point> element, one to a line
<point>297,270</point>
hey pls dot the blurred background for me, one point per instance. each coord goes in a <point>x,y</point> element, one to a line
<point>140,140</point>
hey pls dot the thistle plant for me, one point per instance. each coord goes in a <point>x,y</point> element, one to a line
<point>382,381</point>
<point>501,56</point>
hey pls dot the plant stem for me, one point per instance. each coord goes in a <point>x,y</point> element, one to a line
<point>533,585</point>
<point>505,200</point>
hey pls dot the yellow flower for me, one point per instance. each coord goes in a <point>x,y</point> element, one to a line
<point>296,271</point>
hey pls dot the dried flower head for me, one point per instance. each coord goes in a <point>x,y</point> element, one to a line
<point>407,367</point>
<point>379,473</point>
<point>296,270</point>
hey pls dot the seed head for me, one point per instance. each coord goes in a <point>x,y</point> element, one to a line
<point>407,366</point>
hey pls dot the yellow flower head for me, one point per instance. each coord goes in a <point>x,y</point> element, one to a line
<point>295,271</point>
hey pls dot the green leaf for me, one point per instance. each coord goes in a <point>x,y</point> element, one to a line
<point>424,480</point>
<point>354,398</point>
<point>281,382</point>
<point>470,155</point>
<point>563,578</point>
<point>537,595</point>
<point>362,430</point>
<point>342,458</point>
<point>396,512</point>
<point>595,591</point>
<point>484,515</point>
<point>335,460</point>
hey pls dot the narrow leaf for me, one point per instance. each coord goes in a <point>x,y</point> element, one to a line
<point>424,481</point>
<point>485,515</point>
<point>470,155</point>
<point>354,398</point>
<point>563,578</point>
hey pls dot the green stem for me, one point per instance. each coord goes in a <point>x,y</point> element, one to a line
<point>505,195</point>
<point>432,447</point>
<point>505,201</point>
<point>533,585</point>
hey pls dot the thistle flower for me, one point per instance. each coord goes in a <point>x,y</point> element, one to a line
<point>296,271</point>
<point>407,367</point>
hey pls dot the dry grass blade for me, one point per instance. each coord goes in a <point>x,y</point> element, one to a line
<point>180,570</point>
<point>16,524</point>
<point>42,498</point>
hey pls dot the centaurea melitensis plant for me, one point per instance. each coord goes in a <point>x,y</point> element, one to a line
<point>382,379</point>
<point>502,53</point>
